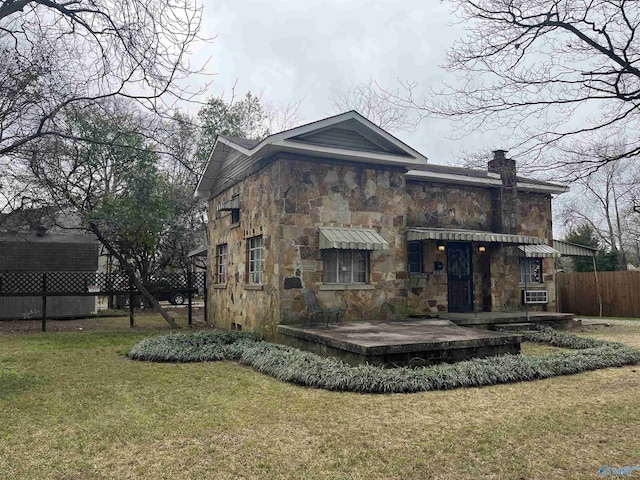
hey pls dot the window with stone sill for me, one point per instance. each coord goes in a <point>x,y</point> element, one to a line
<point>530,270</point>
<point>254,260</point>
<point>221,263</point>
<point>345,266</point>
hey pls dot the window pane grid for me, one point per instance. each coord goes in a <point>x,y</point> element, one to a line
<point>530,270</point>
<point>254,250</point>
<point>345,266</point>
<point>221,256</point>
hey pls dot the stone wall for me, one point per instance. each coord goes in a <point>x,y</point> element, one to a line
<point>236,304</point>
<point>331,193</point>
<point>534,218</point>
<point>286,202</point>
<point>534,215</point>
<point>496,272</point>
<point>290,198</point>
<point>448,206</point>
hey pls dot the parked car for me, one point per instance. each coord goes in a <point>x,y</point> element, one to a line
<point>172,298</point>
<point>122,301</point>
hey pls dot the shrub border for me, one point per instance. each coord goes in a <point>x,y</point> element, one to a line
<point>304,368</point>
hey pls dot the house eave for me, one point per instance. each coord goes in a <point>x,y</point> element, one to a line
<point>343,154</point>
<point>207,179</point>
<point>489,181</point>
<point>281,142</point>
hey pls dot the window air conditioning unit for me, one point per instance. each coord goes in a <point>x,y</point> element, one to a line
<point>535,296</point>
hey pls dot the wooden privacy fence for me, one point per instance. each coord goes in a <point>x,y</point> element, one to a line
<point>620,293</point>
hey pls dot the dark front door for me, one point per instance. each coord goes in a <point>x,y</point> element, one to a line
<point>459,277</point>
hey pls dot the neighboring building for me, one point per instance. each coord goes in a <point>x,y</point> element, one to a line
<point>42,251</point>
<point>345,208</point>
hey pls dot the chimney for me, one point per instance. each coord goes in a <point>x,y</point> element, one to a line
<point>505,199</point>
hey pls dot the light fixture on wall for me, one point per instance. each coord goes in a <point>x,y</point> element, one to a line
<point>482,249</point>
<point>440,245</point>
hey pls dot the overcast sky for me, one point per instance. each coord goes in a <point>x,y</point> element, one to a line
<point>284,50</point>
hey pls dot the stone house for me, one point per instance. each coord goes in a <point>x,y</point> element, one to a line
<point>343,207</point>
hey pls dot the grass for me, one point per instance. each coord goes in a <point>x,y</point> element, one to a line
<point>78,409</point>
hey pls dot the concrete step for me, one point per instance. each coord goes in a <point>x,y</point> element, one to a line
<point>515,326</point>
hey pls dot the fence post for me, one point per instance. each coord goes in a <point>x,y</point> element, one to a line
<point>190,295</point>
<point>44,302</point>
<point>131,323</point>
<point>206,319</point>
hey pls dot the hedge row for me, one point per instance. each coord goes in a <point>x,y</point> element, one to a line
<point>304,368</point>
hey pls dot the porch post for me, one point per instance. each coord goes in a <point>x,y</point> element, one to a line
<point>527,269</point>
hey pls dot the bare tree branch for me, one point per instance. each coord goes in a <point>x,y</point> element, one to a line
<point>554,73</point>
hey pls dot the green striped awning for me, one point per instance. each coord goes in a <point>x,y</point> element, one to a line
<point>539,251</point>
<point>568,249</point>
<point>471,236</point>
<point>232,204</point>
<point>351,239</point>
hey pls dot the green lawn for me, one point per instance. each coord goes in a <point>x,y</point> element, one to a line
<point>72,406</point>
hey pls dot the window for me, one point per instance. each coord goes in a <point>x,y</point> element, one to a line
<point>530,270</point>
<point>235,216</point>
<point>221,263</point>
<point>414,252</point>
<point>254,260</point>
<point>232,206</point>
<point>345,266</point>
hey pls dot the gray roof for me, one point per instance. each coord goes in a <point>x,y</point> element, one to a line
<point>325,138</point>
<point>47,238</point>
<point>243,142</point>
<point>469,172</point>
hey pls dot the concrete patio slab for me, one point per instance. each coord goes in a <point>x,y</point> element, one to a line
<point>412,342</point>
<point>489,320</point>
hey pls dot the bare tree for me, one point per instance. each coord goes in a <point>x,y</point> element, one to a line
<point>54,54</point>
<point>280,117</point>
<point>552,72</point>
<point>378,105</point>
<point>604,202</point>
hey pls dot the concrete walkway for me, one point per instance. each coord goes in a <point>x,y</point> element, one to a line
<point>594,321</point>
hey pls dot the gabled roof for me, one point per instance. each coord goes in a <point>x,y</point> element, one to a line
<point>481,178</point>
<point>348,136</point>
<point>243,142</point>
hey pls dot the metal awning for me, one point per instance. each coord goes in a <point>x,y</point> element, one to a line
<point>539,251</point>
<point>568,249</point>
<point>200,251</point>
<point>351,239</point>
<point>471,236</point>
<point>232,204</point>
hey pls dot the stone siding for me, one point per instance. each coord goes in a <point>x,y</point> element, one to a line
<point>496,272</point>
<point>313,194</point>
<point>288,199</point>
<point>236,304</point>
<point>448,206</point>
